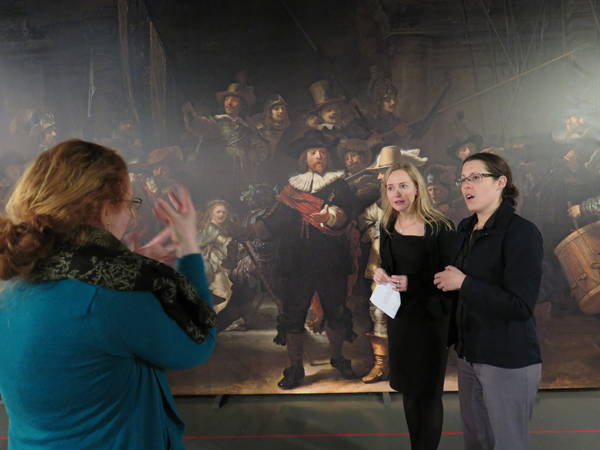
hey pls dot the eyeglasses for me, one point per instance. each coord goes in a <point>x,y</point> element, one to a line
<point>474,178</point>
<point>136,203</point>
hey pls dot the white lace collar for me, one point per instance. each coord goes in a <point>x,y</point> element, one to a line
<point>331,126</point>
<point>313,182</point>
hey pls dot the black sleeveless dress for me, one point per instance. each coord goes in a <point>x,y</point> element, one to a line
<point>417,342</point>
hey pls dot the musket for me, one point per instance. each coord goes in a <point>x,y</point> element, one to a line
<point>363,120</point>
<point>425,121</point>
<point>356,175</point>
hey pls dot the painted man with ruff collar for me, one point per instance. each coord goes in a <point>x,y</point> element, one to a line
<point>312,218</point>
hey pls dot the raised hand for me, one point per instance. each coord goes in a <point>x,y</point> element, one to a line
<point>181,220</point>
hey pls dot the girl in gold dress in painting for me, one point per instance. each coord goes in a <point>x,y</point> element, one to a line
<point>218,251</point>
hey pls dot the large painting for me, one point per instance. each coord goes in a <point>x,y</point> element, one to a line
<point>228,96</point>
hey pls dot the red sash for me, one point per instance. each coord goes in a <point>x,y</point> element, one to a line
<point>307,204</point>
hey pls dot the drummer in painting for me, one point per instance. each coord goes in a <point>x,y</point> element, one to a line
<point>590,208</point>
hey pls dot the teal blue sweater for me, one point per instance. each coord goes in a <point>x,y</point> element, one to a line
<point>82,366</point>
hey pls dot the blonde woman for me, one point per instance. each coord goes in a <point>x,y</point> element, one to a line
<point>416,242</point>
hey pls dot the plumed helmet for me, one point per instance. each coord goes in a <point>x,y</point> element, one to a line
<point>380,87</point>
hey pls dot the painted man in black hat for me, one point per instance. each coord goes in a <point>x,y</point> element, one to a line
<point>311,217</point>
<point>463,148</point>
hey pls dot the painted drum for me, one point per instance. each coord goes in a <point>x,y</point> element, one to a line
<point>579,256</point>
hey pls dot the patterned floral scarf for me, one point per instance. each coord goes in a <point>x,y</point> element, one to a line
<point>104,261</point>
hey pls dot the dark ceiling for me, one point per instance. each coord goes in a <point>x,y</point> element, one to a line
<point>209,42</point>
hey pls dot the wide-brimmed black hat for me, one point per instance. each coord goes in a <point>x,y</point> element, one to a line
<point>161,156</point>
<point>474,138</point>
<point>438,174</point>
<point>311,139</point>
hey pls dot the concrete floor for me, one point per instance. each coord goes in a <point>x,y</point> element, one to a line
<point>563,420</point>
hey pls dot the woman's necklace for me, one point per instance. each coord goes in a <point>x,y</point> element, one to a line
<point>408,226</point>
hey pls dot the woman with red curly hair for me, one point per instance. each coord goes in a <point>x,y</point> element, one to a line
<point>89,326</point>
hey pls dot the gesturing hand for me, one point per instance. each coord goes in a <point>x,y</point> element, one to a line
<point>574,211</point>
<point>322,216</point>
<point>181,220</point>
<point>156,248</point>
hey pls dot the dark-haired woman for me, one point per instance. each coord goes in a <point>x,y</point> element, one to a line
<point>498,269</point>
<point>88,326</point>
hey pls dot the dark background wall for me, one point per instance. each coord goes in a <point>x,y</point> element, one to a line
<point>45,48</point>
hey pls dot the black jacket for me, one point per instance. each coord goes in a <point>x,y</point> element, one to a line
<point>494,313</point>
<point>320,254</point>
<point>439,241</point>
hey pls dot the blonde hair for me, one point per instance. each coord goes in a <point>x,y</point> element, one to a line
<point>423,205</point>
<point>207,216</point>
<point>60,194</point>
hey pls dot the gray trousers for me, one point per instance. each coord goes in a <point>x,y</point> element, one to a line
<point>496,405</point>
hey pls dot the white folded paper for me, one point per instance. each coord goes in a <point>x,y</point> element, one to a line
<point>386,299</point>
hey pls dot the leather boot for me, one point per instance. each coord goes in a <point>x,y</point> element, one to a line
<point>336,342</point>
<point>295,373</point>
<point>381,369</point>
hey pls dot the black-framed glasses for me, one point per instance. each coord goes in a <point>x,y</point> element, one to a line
<point>136,203</point>
<point>474,178</point>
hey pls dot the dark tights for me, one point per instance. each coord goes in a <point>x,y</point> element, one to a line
<point>424,418</point>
